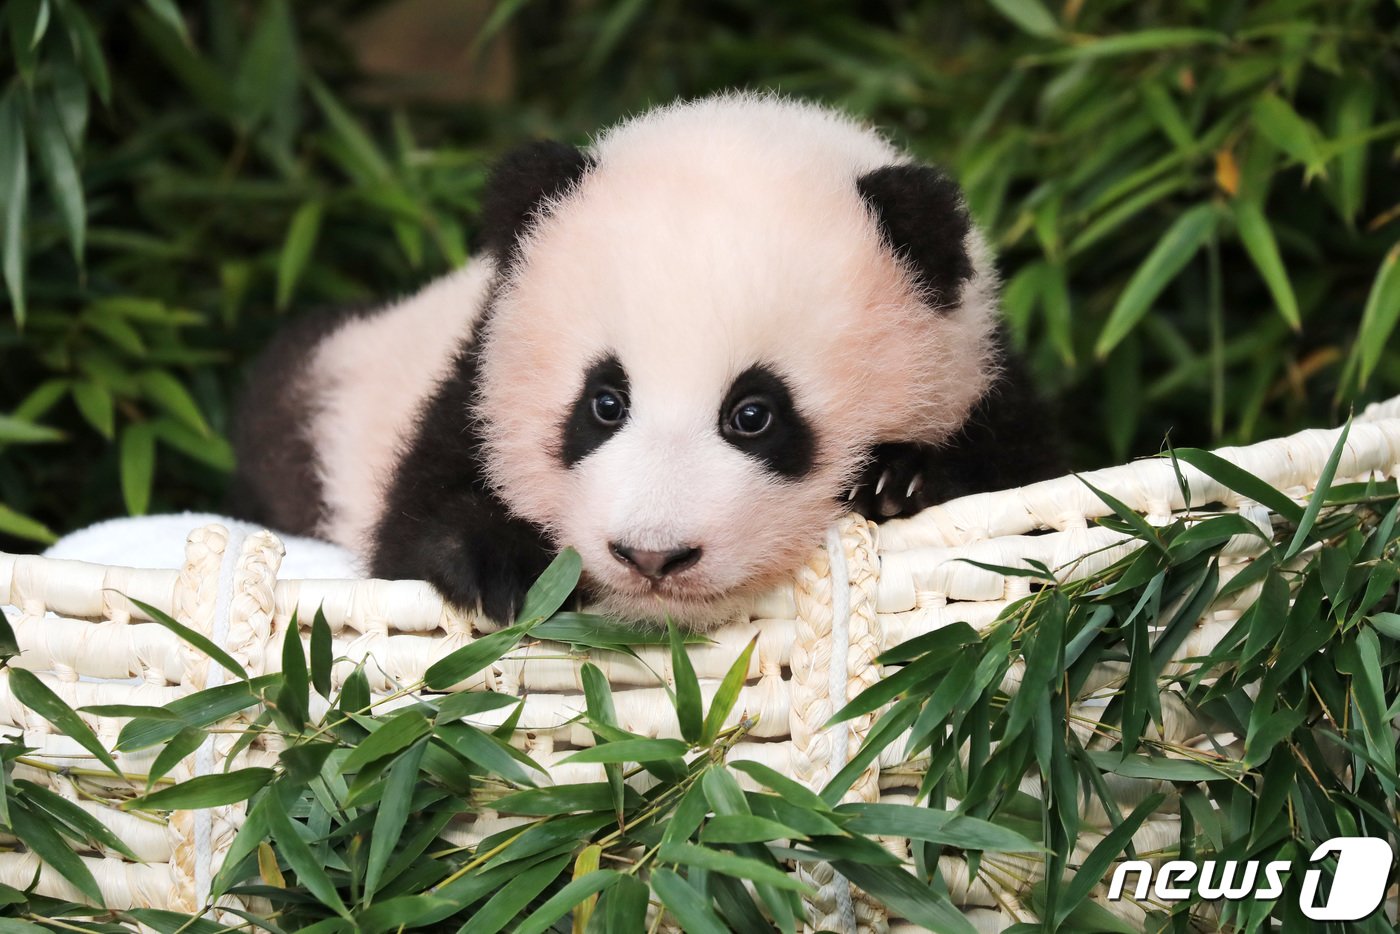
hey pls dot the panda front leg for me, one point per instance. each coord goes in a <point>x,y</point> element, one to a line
<point>441,522</point>
<point>466,545</point>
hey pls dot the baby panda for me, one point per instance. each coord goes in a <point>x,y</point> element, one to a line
<point>684,351</point>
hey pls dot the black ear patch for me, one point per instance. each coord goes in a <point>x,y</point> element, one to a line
<point>523,179</point>
<point>921,212</point>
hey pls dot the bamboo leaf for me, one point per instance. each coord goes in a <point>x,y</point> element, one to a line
<point>789,790</point>
<point>688,703</point>
<point>1133,43</point>
<point>74,816</point>
<point>1181,242</point>
<point>14,199</point>
<point>746,828</point>
<point>493,755</point>
<point>568,898</point>
<point>198,640</point>
<point>1030,15</point>
<point>169,13</point>
<point>597,695</point>
<point>90,56</point>
<point>1258,239</point>
<point>1241,481</point>
<point>197,710</point>
<point>690,908</point>
<point>21,431</point>
<point>554,586</point>
<point>138,466</point>
<point>914,900</point>
<point>503,906</point>
<point>180,745</point>
<point>58,159</point>
<point>170,394</point>
<point>1379,318</point>
<point>399,732</point>
<point>1355,113</point>
<point>97,406</point>
<point>454,668</point>
<point>1096,864</point>
<point>563,799</point>
<point>37,833</point>
<point>1319,494</point>
<point>322,655</point>
<point>741,867</point>
<point>305,863</point>
<point>392,814</point>
<point>207,791</point>
<point>943,827</point>
<point>40,698</point>
<point>293,697</point>
<point>362,158</point>
<point>727,695</point>
<point>302,233</point>
<point>1277,120</point>
<point>467,703</point>
<point>632,750</point>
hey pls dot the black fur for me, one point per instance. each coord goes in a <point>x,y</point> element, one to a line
<point>921,212</point>
<point>788,447</point>
<point>441,521</point>
<point>1009,440</point>
<point>275,482</point>
<point>520,183</point>
<point>582,432</point>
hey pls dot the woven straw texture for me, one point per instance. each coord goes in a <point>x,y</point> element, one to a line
<point>871,588</point>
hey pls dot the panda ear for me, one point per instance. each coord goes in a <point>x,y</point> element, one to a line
<point>923,217</point>
<point>519,185</point>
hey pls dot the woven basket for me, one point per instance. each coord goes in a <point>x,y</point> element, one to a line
<point>871,588</point>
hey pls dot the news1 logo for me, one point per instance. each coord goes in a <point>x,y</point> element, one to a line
<point>1358,882</point>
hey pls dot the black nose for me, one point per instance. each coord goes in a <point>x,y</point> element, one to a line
<point>655,565</point>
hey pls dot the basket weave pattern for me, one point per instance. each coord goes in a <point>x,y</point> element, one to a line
<point>871,588</point>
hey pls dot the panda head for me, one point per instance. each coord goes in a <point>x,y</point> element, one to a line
<point>700,328</point>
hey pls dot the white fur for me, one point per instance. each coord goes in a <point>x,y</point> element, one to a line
<point>371,377</point>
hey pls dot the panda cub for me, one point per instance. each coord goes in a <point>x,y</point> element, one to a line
<point>684,351</point>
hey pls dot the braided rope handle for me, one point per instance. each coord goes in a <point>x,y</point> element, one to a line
<point>194,603</point>
<point>864,643</point>
<point>837,639</point>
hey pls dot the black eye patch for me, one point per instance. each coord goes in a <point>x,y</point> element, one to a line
<point>786,444</point>
<point>599,411</point>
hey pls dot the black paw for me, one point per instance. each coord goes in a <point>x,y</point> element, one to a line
<point>895,483</point>
<point>474,562</point>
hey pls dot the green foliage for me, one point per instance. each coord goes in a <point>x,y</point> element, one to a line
<point>348,830</point>
<point>1195,204</point>
<point>1309,688</point>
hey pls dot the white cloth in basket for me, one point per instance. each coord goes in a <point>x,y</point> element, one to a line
<point>159,542</point>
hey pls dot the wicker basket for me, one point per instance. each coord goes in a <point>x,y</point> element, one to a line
<point>871,588</point>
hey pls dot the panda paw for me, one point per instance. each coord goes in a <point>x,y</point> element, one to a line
<point>490,570</point>
<point>894,484</point>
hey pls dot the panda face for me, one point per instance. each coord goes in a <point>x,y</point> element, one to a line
<point>677,489</point>
<point>692,350</point>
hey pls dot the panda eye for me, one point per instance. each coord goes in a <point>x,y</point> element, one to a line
<point>609,407</point>
<point>750,418</point>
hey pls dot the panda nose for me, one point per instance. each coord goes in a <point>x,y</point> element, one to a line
<point>655,565</point>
